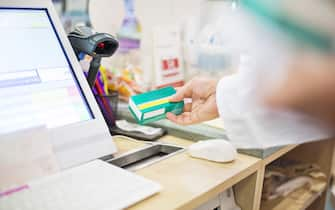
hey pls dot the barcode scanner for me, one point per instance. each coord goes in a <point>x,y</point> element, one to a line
<point>98,45</point>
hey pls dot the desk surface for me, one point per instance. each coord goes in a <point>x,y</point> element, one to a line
<point>188,182</point>
<point>207,130</point>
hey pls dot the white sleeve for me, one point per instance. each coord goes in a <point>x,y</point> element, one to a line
<point>225,89</point>
<point>250,124</point>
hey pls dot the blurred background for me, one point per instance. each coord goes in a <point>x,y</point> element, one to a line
<point>167,42</point>
<point>161,42</point>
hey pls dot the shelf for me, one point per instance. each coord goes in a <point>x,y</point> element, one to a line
<point>297,200</point>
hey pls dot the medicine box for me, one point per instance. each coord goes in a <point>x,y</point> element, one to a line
<point>153,105</point>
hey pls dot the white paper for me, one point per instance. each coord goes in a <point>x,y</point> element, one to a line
<point>25,156</point>
<point>167,53</point>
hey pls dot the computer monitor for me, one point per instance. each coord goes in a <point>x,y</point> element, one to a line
<point>41,83</point>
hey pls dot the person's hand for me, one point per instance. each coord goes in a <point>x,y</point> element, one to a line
<point>310,89</point>
<point>202,92</point>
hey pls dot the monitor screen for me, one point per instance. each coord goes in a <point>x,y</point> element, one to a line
<point>37,82</point>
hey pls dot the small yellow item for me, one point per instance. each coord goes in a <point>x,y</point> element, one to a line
<point>154,103</point>
<point>104,79</point>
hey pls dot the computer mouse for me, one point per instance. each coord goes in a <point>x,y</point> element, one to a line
<point>217,150</point>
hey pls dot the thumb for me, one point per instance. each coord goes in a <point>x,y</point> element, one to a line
<point>183,92</point>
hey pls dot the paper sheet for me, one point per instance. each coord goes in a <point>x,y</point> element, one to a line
<point>216,123</point>
<point>25,156</point>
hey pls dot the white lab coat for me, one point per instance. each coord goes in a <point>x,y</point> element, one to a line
<point>247,121</point>
<point>250,124</point>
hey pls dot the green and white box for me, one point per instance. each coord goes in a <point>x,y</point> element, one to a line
<point>154,105</point>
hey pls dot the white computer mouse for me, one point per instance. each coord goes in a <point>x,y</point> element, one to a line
<point>217,150</point>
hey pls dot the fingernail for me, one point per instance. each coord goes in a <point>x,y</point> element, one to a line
<point>187,100</point>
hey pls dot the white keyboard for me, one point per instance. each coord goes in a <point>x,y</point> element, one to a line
<point>94,186</point>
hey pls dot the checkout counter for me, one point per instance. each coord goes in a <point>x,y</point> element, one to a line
<point>190,183</point>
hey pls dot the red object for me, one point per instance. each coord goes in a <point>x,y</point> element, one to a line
<point>12,191</point>
<point>176,63</point>
<point>168,64</point>
<point>165,65</point>
<point>173,84</point>
<point>101,45</point>
<point>171,75</point>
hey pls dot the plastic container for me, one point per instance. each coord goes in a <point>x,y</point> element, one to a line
<point>129,37</point>
<point>206,49</point>
<point>108,105</point>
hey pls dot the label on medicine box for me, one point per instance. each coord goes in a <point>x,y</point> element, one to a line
<point>152,106</point>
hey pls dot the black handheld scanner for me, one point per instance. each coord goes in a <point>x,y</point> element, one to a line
<point>98,45</point>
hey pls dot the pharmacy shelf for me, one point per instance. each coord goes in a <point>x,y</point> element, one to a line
<point>300,199</point>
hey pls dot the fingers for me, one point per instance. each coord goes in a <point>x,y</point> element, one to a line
<point>187,107</point>
<point>186,118</point>
<point>183,92</point>
<point>180,119</point>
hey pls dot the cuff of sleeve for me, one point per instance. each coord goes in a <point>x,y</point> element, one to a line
<point>219,96</point>
<point>226,91</point>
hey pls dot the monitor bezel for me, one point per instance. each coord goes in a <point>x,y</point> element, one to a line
<point>78,142</point>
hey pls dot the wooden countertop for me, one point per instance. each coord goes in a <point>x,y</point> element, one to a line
<point>188,182</point>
